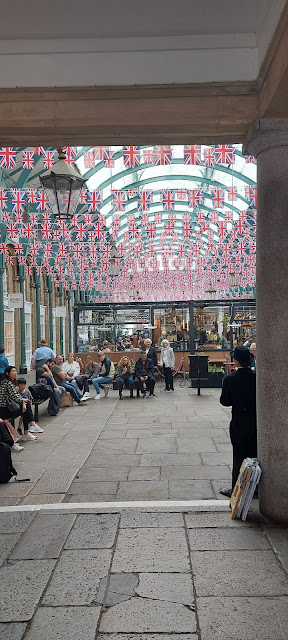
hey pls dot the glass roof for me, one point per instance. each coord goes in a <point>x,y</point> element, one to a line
<point>183,219</point>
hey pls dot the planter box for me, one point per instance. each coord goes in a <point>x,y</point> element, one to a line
<point>214,381</point>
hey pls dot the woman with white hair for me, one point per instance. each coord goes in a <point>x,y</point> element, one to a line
<point>151,351</point>
<point>167,360</point>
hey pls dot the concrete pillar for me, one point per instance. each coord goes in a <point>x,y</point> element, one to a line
<point>268,141</point>
<point>50,299</point>
<point>37,304</point>
<point>70,346</point>
<point>23,367</point>
<point>2,322</point>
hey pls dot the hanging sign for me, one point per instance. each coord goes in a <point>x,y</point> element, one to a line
<point>15,300</point>
<point>60,312</point>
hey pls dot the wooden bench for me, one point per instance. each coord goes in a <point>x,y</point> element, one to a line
<point>36,403</point>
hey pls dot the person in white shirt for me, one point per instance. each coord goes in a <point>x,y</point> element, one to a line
<point>167,360</point>
<point>72,368</point>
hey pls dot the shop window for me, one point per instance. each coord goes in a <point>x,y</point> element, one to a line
<point>42,322</point>
<point>211,327</point>
<point>9,335</point>
<point>174,321</point>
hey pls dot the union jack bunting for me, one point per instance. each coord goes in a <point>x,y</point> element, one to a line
<point>224,154</point>
<point>18,200</point>
<point>208,157</point>
<point>89,159</point>
<point>181,194</point>
<point>6,217</point>
<point>108,158</point>
<point>39,151</point>
<point>144,199</point>
<point>8,157</point>
<point>94,200</point>
<point>3,199</point>
<point>28,159</point>
<point>131,156</point>
<point>251,195</point>
<point>250,159</point>
<point>195,197</point>
<point>162,155</point>
<point>31,195</point>
<point>168,199</point>
<point>118,200</point>
<point>148,156</point>
<point>232,194</point>
<point>192,154</point>
<point>70,154</point>
<point>42,202</point>
<point>217,196</point>
<point>48,159</point>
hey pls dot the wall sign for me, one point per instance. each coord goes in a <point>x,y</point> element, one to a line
<point>15,300</point>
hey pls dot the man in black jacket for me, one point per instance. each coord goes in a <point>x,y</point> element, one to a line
<point>151,351</point>
<point>144,373</point>
<point>239,391</point>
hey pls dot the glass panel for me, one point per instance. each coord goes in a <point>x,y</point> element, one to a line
<point>9,333</point>
<point>243,325</point>
<point>173,323</point>
<point>211,327</point>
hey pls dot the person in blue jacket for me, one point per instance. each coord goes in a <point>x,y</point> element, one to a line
<point>3,360</point>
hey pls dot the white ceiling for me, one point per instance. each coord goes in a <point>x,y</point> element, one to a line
<point>126,18</point>
<point>127,42</point>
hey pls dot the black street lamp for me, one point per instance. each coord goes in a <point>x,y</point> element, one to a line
<point>62,185</point>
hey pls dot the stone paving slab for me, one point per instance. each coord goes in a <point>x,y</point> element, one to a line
<point>170,587</point>
<point>15,521</point>
<point>76,578</point>
<point>44,538</point>
<point>93,531</point>
<point>169,459</point>
<point>21,587</point>
<point>12,631</point>
<point>146,636</point>
<point>216,519</point>
<point>238,618</point>
<point>7,542</point>
<point>135,519</point>
<point>101,474</point>
<point>147,615</point>
<point>64,622</point>
<point>54,481</point>
<point>143,490</point>
<point>238,573</point>
<point>144,473</point>
<point>151,549</point>
<point>230,538</point>
<point>279,541</point>
<point>191,490</point>
<point>194,471</point>
<point>80,487</point>
<point>43,498</point>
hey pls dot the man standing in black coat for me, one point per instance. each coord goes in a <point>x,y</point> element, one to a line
<point>239,391</point>
<point>144,373</point>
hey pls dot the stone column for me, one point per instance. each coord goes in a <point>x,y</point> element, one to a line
<point>268,141</point>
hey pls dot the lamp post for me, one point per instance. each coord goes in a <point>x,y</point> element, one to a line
<point>62,185</point>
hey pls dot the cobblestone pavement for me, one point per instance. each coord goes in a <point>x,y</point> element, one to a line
<point>175,446</point>
<point>123,573</point>
<point>158,557</point>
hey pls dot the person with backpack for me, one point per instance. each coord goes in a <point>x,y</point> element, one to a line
<point>107,371</point>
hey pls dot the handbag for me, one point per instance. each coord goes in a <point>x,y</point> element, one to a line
<point>66,400</point>
<point>12,406</point>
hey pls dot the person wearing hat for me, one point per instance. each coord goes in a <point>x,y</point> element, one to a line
<point>41,355</point>
<point>239,391</point>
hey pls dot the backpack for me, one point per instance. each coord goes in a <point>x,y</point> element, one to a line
<point>6,468</point>
<point>41,391</point>
<point>54,404</point>
<point>5,435</point>
<point>112,370</point>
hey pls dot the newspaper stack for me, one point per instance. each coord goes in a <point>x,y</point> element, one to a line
<point>244,489</point>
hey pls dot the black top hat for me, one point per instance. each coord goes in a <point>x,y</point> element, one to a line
<point>243,355</point>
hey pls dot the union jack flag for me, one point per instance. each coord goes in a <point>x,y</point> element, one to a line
<point>7,157</point>
<point>28,159</point>
<point>217,196</point>
<point>162,154</point>
<point>208,157</point>
<point>99,153</point>
<point>39,151</point>
<point>224,154</point>
<point>148,156</point>
<point>131,156</point>
<point>42,201</point>
<point>70,154</point>
<point>181,194</point>
<point>6,217</point>
<point>192,154</point>
<point>9,259</point>
<point>251,195</point>
<point>168,199</point>
<point>18,200</point>
<point>250,159</point>
<point>118,200</point>
<point>195,197</point>
<point>144,199</point>
<point>46,231</point>
<point>32,196</point>
<point>3,199</point>
<point>94,200</point>
<point>48,159</point>
<point>232,194</point>
<point>89,159</point>
<point>108,158</point>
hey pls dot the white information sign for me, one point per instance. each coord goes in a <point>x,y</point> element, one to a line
<point>60,312</point>
<point>15,300</point>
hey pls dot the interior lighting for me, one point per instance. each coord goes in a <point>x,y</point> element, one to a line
<point>63,185</point>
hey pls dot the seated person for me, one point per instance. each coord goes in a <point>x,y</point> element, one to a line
<point>106,346</point>
<point>61,379</point>
<point>72,368</point>
<point>144,373</point>
<point>44,375</point>
<point>125,375</point>
<point>127,344</point>
<point>26,395</point>
<point>91,370</point>
<point>8,389</point>
<point>120,346</point>
<point>107,370</point>
<point>3,360</point>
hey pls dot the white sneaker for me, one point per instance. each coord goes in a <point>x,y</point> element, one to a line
<point>83,399</point>
<point>36,429</point>
<point>87,396</point>
<point>97,397</point>
<point>106,391</point>
<point>16,447</point>
<point>28,436</point>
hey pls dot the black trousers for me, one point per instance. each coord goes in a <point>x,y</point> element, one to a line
<point>150,384</point>
<point>168,375</point>
<point>82,383</point>
<point>27,416</point>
